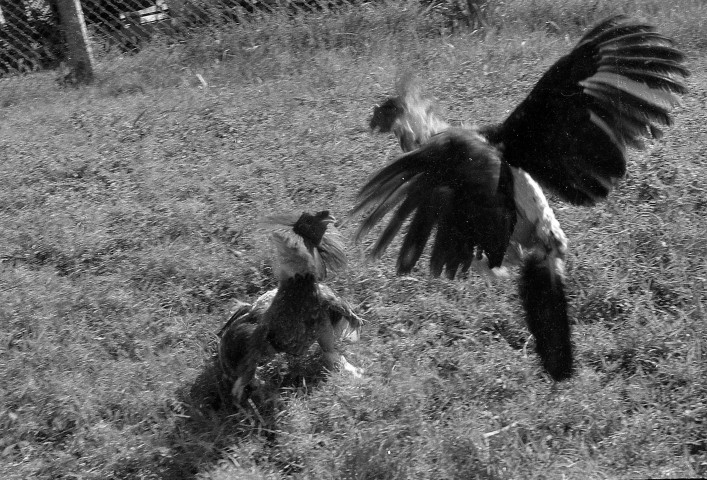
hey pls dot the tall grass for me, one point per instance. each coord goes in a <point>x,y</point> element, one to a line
<point>128,212</point>
<point>281,43</point>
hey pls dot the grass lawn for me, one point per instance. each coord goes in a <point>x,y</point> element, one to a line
<point>129,210</point>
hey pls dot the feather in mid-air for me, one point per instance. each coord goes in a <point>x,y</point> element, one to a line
<point>300,311</point>
<point>480,187</point>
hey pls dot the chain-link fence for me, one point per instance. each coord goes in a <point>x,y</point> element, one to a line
<point>32,38</point>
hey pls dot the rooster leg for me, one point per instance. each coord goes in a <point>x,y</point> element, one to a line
<point>333,358</point>
<point>238,389</point>
<point>257,351</point>
<point>481,266</point>
<point>248,378</point>
<point>246,375</point>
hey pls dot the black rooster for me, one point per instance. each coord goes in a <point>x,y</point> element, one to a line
<point>477,187</point>
<point>301,310</point>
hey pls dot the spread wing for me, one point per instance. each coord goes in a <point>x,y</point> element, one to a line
<point>616,87</point>
<point>455,182</point>
<point>240,315</point>
<point>342,315</point>
<point>247,313</point>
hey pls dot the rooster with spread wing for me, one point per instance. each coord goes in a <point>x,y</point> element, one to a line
<point>480,187</point>
<point>300,311</point>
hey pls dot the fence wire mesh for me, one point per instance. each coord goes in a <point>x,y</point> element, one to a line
<point>31,35</point>
<point>30,38</point>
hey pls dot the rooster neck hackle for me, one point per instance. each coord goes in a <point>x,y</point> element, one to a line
<point>307,243</point>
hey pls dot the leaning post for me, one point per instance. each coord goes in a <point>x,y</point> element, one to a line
<point>80,58</point>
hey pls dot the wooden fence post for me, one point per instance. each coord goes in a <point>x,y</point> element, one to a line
<point>79,50</point>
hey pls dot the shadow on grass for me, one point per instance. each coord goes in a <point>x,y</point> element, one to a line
<point>209,427</point>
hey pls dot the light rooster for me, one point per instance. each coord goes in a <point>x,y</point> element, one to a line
<point>300,311</point>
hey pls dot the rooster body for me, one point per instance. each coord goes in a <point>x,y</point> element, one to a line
<point>290,318</point>
<point>480,187</point>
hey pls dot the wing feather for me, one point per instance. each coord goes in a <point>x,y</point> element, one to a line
<point>396,192</point>
<point>457,183</point>
<point>396,222</point>
<point>339,308</point>
<point>243,313</point>
<point>616,87</point>
<point>418,232</point>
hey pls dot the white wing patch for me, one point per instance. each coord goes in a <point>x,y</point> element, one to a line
<point>265,300</point>
<point>536,226</point>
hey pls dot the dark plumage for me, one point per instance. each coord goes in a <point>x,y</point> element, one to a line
<point>542,292</point>
<point>300,311</point>
<point>477,186</point>
<point>613,89</point>
<point>454,174</point>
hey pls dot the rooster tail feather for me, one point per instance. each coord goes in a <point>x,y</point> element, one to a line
<point>542,292</point>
